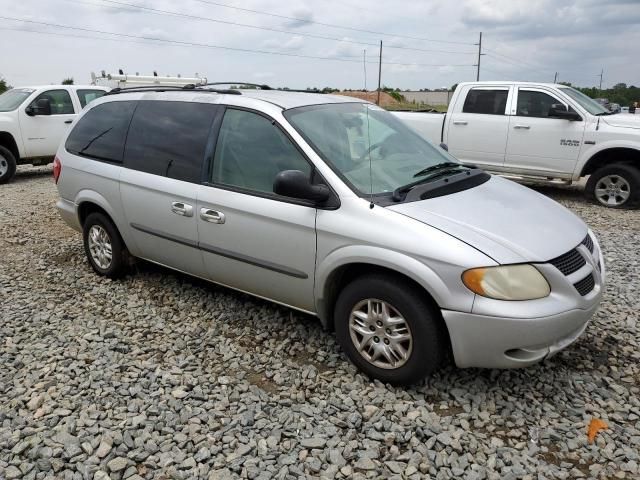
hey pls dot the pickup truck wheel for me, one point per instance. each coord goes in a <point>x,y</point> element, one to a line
<point>105,250</point>
<point>615,186</point>
<point>388,329</point>
<point>7,165</point>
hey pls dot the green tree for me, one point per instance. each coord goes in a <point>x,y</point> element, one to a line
<point>67,81</point>
<point>4,86</point>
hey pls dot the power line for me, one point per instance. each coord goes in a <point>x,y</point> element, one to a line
<point>126,6</point>
<point>343,27</point>
<point>513,61</point>
<point>208,45</point>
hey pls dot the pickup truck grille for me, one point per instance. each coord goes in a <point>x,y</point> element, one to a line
<point>572,261</point>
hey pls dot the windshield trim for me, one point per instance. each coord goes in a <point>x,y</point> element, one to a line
<point>379,196</point>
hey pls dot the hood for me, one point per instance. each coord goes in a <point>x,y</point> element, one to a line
<point>624,120</point>
<point>504,220</point>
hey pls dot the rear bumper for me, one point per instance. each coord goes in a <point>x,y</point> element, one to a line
<point>69,213</point>
<point>497,342</point>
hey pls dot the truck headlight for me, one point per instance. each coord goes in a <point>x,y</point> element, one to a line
<point>507,282</point>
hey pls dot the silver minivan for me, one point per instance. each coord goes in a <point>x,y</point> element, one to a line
<point>332,206</point>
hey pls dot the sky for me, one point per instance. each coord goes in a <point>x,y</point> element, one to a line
<point>304,43</point>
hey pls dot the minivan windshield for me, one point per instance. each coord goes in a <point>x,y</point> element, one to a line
<point>11,99</point>
<point>589,104</point>
<point>370,148</point>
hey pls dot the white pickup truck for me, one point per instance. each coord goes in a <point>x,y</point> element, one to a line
<point>33,120</point>
<point>541,132</point>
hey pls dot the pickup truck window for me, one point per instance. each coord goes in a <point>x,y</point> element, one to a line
<point>488,102</point>
<point>534,104</point>
<point>60,102</point>
<point>86,96</point>
<point>368,147</point>
<point>11,99</point>
<point>590,105</point>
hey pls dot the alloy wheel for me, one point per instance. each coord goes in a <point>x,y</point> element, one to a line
<point>612,190</point>
<point>4,166</point>
<point>380,334</point>
<point>100,246</point>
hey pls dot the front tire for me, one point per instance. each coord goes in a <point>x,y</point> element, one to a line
<point>105,250</point>
<point>615,186</point>
<point>389,330</point>
<point>7,165</point>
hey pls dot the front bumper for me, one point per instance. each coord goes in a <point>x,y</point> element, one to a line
<point>496,342</point>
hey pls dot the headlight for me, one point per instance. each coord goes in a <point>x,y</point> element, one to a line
<point>509,282</point>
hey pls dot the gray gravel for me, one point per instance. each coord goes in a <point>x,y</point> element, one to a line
<point>164,376</point>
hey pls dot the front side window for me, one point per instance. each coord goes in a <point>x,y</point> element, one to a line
<point>488,102</point>
<point>60,101</point>
<point>170,139</point>
<point>11,99</point>
<point>86,96</point>
<point>251,151</point>
<point>534,104</point>
<point>101,133</point>
<point>373,150</point>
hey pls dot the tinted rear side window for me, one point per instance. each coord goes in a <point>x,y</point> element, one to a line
<point>101,133</point>
<point>489,102</point>
<point>169,139</point>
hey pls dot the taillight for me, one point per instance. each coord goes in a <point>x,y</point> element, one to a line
<point>57,169</point>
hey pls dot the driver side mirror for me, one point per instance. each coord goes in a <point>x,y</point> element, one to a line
<point>558,110</point>
<point>42,107</point>
<point>296,184</point>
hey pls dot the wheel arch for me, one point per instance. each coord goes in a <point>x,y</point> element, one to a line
<point>611,155</point>
<point>8,142</point>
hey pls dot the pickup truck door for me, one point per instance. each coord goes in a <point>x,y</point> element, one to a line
<point>42,133</point>
<point>537,142</point>
<point>477,130</point>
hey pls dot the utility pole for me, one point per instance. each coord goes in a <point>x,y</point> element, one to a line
<point>601,73</point>
<point>364,64</point>
<point>379,72</point>
<point>555,78</point>
<point>479,55</point>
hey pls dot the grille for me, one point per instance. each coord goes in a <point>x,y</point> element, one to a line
<point>585,285</point>
<point>588,242</point>
<point>570,262</point>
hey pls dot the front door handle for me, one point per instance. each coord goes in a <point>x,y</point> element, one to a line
<point>212,216</point>
<point>183,209</point>
<point>524,127</point>
<point>68,121</point>
<point>459,122</point>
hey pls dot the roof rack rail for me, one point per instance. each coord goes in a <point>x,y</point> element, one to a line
<point>258,85</point>
<point>184,88</point>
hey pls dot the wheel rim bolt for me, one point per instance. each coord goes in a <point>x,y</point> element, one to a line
<point>372,328</point>
<point>386,341</point>
<point>376,339</point>
<point>379,323</point>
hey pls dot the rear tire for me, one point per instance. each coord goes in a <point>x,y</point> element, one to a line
<point>7,165</point>
<point>104,247</point>
<point>615,186</point>
<point>373,340</point>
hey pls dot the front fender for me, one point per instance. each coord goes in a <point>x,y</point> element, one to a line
<point>446,296</point>
<point>601,146</point>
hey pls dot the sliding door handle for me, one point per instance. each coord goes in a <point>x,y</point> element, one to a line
<point>182,209</point>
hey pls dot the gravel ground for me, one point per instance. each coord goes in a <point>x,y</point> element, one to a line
<point>163,376</point>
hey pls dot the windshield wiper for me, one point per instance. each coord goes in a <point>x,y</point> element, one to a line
<point>435,168</point>
<point>436,171</point>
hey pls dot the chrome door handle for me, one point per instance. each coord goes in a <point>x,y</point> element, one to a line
<point>183,209</point>
<point>524,127</point>
<point>212,216</point>
<point>459,122</point>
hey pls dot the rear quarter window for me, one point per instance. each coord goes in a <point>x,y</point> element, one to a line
<point>86,96</point>
<point>101,133</point>
<point>170,139</point>
<point>488,102</point>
